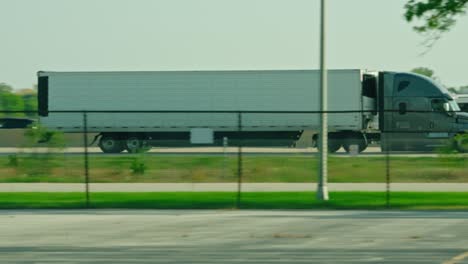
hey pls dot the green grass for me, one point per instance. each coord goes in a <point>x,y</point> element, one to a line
<point>213,200</point>
<point>294,168</point>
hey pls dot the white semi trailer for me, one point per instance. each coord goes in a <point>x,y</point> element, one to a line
<point>133,110</point>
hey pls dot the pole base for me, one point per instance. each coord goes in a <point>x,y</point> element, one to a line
<point>322,193</point>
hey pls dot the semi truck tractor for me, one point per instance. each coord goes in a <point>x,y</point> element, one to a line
<point>136,110</point>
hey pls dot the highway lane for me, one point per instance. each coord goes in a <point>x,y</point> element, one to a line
<point>370,152</point>
<point>230,187</point>
<point>178,150</point>
<point>221,236</point>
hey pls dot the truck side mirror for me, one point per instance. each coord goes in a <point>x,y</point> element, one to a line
<point>402,108</point>
<point>446,107</point>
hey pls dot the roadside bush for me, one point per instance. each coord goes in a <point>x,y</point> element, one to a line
<point>45,149</point>
<point>13,161</point>
<point>448,149</point>
<point>459,144</point>
<point>38,136</point>
<point>138,166</point>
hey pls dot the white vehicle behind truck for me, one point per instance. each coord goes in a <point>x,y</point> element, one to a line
<point>462,100</point>
<point>134,110</point>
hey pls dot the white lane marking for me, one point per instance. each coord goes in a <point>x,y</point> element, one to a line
<point>457,258</point>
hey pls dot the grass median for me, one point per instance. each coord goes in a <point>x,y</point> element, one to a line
<point>214,200</point>
<point>205,168</point>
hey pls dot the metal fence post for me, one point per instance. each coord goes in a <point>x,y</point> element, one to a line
<point>239,159</point>
<point>225,163</point>
<point>387,166</point>
<point>86,156</point>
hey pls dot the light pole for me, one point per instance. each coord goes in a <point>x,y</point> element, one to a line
<point>322,188</point>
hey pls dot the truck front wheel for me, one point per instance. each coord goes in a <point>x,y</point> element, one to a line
<point>355,139</point>
<point>110,144</point>
<point>461,143</point>
<point>334,143</point>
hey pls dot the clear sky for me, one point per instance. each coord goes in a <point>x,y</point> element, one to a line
<point>108,35</point>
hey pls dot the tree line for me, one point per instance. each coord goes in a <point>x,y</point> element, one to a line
<point>433,18</point>
<point>22,101</point>
<point>430,73</point>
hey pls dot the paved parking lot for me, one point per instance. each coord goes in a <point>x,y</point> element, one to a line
<point>113,236</point>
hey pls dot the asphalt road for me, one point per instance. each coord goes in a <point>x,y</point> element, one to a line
<point>178,150</point>
<point>217,151</point>
<point>233,237</point>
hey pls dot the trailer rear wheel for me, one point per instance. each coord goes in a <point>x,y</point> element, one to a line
<point>137,145</point>
<point>145,146</point>
<point>132,144</point>
<point>110,144</point>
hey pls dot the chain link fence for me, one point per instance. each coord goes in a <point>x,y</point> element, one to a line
<point>224,160</point>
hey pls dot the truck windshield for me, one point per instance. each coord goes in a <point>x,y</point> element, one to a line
<point>454,106</point>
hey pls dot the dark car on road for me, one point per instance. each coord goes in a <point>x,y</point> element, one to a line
<point>15,123</point>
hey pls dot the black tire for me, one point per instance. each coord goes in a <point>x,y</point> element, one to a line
<point>110,144</point>
<point>133,144</point>
<point>334,144</point>
<point>461,143</point>
<point>136,145</point>
<point>145,146</point>
<point>357,139</point>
